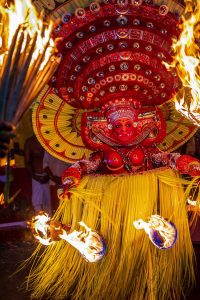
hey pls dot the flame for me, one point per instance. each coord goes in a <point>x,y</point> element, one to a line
<point>186,61</point>
<point>40,228</point>
<point>88,242</point>
<point>2,199</point>
<point>193,202</point>
<point>27,58</point>
<point>23,15</point>
<point>193,205</point>
<point>163,234</point>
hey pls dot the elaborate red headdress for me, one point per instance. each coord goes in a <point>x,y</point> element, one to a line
<point>110,50</point>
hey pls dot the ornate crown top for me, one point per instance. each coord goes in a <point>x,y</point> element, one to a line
<point>119,113</point>
<point>116,48</point>
<point>120,108</point>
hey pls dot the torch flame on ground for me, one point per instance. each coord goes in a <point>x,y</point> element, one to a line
<point>186,61</point>
<point>163,234</point>
<point>88,242</point>
<point>27,59</point>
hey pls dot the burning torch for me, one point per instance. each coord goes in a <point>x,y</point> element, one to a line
<point>48,231</point>
<point>27,62</point>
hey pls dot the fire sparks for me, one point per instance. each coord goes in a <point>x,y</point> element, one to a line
<point>88,242</point>
<point>186,61</point>
<point>163,234</point>
<point>27,58</point>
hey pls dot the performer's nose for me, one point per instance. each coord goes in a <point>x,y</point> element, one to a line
<point>123,128</point>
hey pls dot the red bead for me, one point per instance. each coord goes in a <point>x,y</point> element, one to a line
<point>136,156</point>
<point>114,160</point>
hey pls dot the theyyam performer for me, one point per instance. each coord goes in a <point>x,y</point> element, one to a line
<point>108,111</point>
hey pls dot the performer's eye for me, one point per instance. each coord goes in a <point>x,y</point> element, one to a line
<point>118,126</point>
<point>128,125</point>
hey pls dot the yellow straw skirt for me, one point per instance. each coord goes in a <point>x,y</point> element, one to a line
<point>132,267</point>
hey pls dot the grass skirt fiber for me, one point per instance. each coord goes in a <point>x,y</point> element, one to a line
<point>132,267</point>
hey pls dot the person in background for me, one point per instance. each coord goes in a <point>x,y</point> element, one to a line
<point>54,167</point>
<point>33,156</point>
<point>7,132</point>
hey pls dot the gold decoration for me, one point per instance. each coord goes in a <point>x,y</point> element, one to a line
<point>57,126</point>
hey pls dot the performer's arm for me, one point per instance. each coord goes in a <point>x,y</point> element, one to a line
<point>32,162</point>
<point>27,157</point>
<point>185,164</point>
<point>47,162</point>
<point>72,175</point>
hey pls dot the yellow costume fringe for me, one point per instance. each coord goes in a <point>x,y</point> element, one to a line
<point>132,267</point>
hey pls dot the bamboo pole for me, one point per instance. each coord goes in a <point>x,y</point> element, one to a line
<point>4,87</point>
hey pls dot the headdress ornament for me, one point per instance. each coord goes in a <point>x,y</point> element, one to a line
<point>119,113</point>
<point>120,108</point>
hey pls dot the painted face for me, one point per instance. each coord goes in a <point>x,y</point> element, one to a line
<point>123,130</point>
